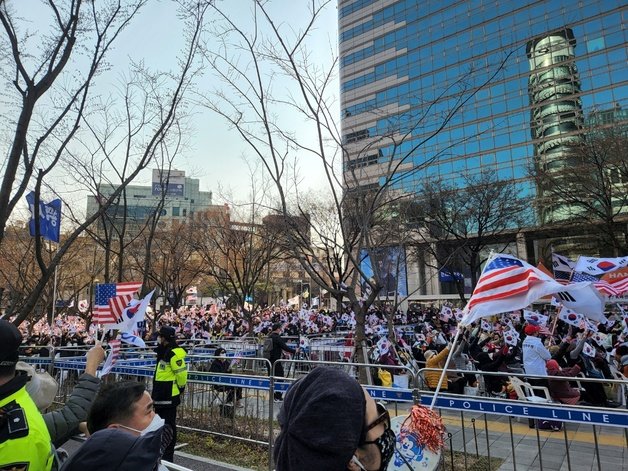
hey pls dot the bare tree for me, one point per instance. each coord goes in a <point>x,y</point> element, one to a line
<point>57,140</point>
<point>175,264</point>
<point>456,226</point>
<point>237,256</point>
<point>249,61</point>
<point>591,187</point>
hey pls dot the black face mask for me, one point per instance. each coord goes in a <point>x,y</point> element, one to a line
<point>386,445</point>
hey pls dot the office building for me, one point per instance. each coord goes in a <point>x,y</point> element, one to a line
<point>447,89</point>
<point>182,200</point>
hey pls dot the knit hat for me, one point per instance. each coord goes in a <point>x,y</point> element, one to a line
<point>429,354</point>
<point>531,329</point>
<point>321,421</point>
<point>10,341</point>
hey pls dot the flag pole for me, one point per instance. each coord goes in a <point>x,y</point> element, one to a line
<point>444,372</point>
<point>54,297</point>
<point>491,256</point>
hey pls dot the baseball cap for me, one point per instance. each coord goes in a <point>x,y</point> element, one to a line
<point>531,329</point>
<point>10,341</point>
<point>167,332</point>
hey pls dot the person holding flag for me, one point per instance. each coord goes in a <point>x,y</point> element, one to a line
<point>169,382</point>
<point>535,356</point>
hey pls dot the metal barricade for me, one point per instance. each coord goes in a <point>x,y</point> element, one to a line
<point>495,428</point>
<point>478,425</point>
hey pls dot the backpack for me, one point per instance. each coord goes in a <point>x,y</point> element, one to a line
<point>267,347</point>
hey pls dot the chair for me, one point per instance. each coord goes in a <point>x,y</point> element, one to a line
<point>526,392</point>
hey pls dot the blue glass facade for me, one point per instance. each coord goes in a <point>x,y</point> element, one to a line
<point>406,64</point>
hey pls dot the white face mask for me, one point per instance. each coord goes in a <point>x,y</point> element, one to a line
<point>154,425</point>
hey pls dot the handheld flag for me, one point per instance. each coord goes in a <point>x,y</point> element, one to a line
<point>563,267</point>
<point>535,317</point>
<point>600,266</point>
<point>588,350</point>
<point>511,337</point>
<point>103,313</point>
<point>508,283</point>
<point>570,317</point>
<point>445,314</point>
<point>112,358</point>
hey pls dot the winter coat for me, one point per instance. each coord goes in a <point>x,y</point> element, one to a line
<point>561,389</point>
<point>63,423</point>
<point>436,361</point>
<point>279,345</point>
<point>116,449</point>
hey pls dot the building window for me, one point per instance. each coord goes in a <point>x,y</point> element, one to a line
<point>175,211</point>
<point>185,212</point>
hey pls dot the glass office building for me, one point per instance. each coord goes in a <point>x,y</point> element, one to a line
<point>547,68</point>
<point>444,89</point>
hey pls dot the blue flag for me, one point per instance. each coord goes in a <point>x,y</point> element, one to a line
<point>49,218</point>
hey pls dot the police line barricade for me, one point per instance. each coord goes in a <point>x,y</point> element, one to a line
<point>204,408</point>
<point>608,426</point>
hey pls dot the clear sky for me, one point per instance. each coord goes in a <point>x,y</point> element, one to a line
<point>215,152</point>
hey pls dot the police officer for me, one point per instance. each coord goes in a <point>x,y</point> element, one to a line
<point>24,439</point>
<point>169,382</point>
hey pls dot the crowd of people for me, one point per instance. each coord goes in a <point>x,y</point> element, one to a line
<point>552,354</point>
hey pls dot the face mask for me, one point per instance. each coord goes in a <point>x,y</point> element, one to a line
<point>386,445</point>
<point>154,425</point>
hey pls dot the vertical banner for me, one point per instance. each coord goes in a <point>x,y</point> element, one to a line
<point>49,218</point>
<point>390,266</point>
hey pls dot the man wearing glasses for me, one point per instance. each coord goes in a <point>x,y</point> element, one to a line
<point>329,422</point>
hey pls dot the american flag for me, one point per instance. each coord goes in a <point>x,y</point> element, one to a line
<point>112,358</point>
<point>502,278</point>
<point>508,283</point>
<point>107,311</point>
<point>601,285</point>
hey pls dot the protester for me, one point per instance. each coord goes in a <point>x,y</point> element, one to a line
<point>621,355</point>
<point>452,383</point>
<point>221,365</point>
<point>535,355</point>
<point>169,382</point>
<point>560,390</point>
<point>126,433</point>
<point>279,346</point>
<point>26,442</point>
<point>328,422</point>
<point>64,423</point>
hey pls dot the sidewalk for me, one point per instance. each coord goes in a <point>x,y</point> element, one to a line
<point>612,444</point>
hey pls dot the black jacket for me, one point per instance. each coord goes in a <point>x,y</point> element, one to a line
<point>279,345</point>
<point>114,448</point>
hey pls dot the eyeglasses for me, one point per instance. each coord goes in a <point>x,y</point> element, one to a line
<point>383,416</point>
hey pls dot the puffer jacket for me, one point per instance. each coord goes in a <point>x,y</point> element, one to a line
<point>63,423</point>
<point>436,361</point>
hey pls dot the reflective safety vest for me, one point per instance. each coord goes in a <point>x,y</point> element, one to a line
<point>171,376</point>
<point>24,439</point>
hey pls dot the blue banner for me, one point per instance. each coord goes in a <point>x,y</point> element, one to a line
<point>49,218</point>
<point>558,412</point>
